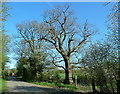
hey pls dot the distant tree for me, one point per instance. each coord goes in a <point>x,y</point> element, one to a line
<point>29,47</point>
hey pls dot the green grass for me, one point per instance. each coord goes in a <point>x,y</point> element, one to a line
<point>19,77</point>
<point>2,85</point>
<point>62,75</point>
<point>58,85</point>
<point>44,83</point>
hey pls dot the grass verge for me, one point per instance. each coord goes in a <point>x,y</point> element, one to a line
<point>57,85</point>
<point>2,85</point>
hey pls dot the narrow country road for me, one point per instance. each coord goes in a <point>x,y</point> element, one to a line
<point>14,85</point>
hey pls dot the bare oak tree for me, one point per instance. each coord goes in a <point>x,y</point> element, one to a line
<point>61,30</point>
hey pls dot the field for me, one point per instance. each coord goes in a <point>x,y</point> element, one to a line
<point>62,75</point>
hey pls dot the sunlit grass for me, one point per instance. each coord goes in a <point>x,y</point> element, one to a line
<point>62,75</point>
<point>58,85</point>
<point>2,85</point>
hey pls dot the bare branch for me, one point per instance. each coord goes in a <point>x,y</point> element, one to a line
<point>54,62</point>
<point>73,49</point>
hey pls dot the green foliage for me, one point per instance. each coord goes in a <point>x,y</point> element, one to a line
<point>56,78</point>
<point>52,76</point>
<point>5,74</point>
<point>31,68</point>
<point>4,39</point>
<point>99,62</point>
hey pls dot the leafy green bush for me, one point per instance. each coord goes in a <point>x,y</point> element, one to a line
<point>5,74</point>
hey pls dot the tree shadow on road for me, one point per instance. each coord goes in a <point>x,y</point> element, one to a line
<point>39,90</point>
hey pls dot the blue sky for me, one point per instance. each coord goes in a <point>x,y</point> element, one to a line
<point>95,12</point>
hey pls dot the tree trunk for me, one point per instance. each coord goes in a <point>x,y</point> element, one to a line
<point>68,77</point>
<point>66,81</point>
<point>93,85</point>
<point>118,86</point>
<point>41,76</point>
<point>68,72</point>
<point>118,80</point>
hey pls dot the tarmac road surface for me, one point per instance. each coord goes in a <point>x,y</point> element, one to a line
<point>14,85</point>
